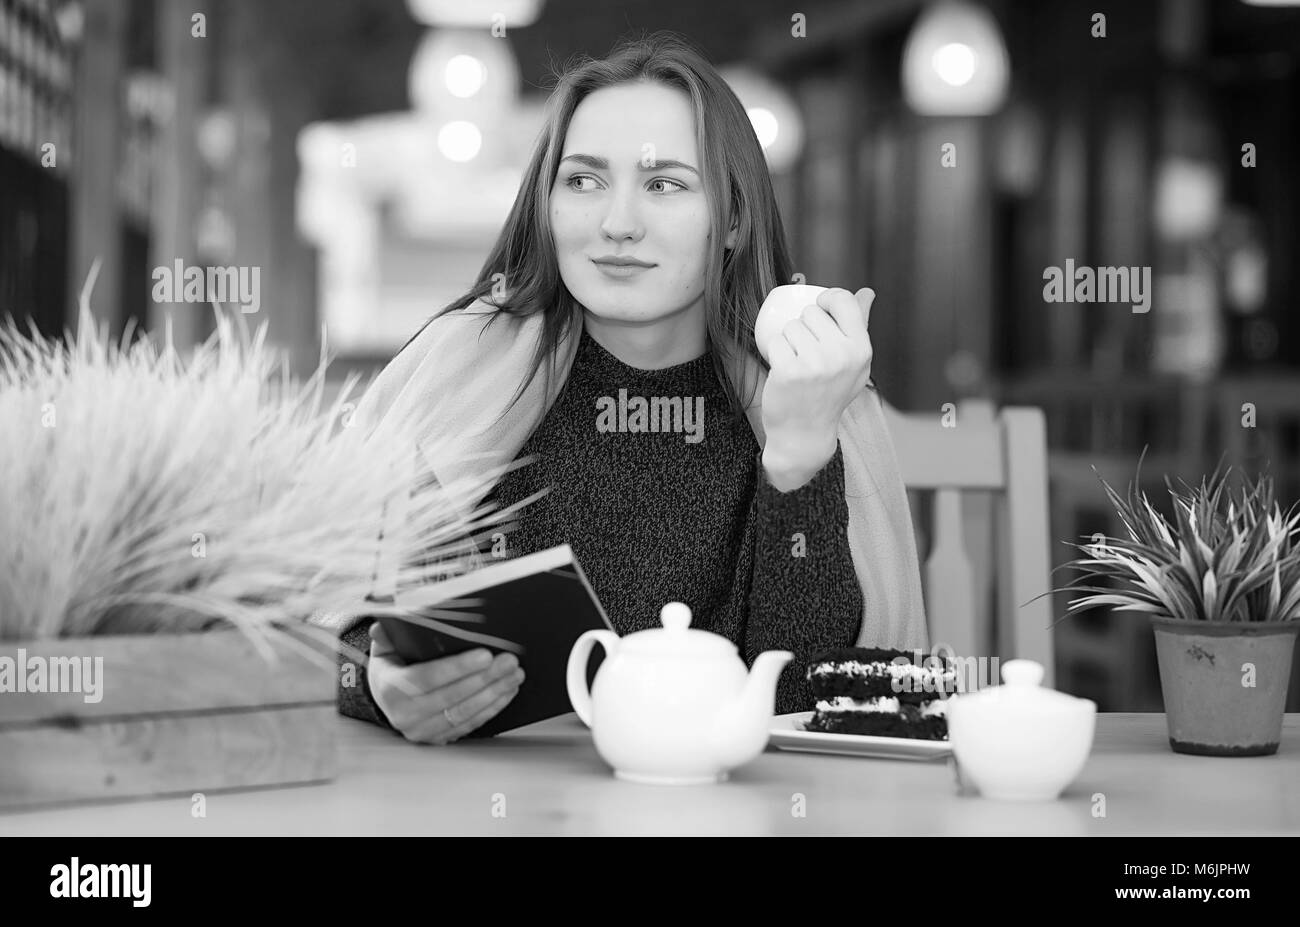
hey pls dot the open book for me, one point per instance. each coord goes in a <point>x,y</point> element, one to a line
<point>536,607</point>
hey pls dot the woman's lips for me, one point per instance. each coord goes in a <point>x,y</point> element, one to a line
<point>620,271</point>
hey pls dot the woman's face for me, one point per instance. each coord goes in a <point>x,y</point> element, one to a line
<point>629,186</point>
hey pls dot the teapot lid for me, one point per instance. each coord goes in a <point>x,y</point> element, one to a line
<point>1022,689</point>
<point>677,638</point>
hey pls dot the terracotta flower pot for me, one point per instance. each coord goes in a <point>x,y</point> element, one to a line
<point>1224,683</point>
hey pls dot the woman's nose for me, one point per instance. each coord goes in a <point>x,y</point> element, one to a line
<point>621,219</point>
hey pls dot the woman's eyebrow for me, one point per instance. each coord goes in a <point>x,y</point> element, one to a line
<point>602,164</point>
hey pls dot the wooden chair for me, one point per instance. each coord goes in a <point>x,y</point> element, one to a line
<point>1101,654</point>
<point>988,474</point>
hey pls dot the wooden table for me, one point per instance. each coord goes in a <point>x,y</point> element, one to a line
<point>548,779</point>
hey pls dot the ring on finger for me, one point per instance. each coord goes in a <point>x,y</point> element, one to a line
<point>446,713</point>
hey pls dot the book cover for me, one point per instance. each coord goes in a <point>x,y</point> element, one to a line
<point>535,606</point>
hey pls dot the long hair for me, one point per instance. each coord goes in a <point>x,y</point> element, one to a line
<point>521,275</point>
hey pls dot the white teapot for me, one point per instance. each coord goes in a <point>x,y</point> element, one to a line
<point>674,705</point>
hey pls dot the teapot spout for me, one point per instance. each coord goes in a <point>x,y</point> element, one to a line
<point>742,727</point>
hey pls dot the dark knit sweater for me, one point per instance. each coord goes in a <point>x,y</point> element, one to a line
<point>654,517</point>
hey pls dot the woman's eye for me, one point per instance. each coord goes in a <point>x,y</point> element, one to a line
<point>577,177</point>
<point>666,180</point>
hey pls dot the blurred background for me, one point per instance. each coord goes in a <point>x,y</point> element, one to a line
<point>363,154</point>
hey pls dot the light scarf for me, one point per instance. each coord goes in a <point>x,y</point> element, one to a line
<point>452,383</point>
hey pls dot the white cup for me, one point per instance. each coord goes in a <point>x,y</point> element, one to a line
<point>783,305</point>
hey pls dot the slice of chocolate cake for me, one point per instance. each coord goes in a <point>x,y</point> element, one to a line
<point>882,693</point>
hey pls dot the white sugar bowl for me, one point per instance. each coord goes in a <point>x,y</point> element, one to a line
<point>1019,741</point>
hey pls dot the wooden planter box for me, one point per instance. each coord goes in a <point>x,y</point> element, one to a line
<point>176,714</point>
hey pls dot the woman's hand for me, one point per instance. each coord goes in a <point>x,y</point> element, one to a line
<point>819,365</point>
<point>441,700</point>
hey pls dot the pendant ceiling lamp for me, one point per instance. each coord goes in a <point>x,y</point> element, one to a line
<point>463,72</point>
<point>475,13</point>
<point>773,114</point>
<point>955,62</point>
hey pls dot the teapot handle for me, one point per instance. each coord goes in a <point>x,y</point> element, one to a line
<point>577,672</point>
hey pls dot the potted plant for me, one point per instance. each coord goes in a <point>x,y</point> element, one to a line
<point>1221,584</point>
<point>178,542</point>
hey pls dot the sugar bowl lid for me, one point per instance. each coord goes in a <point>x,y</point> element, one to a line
<point>1022,690</point>
<point>677,638</point>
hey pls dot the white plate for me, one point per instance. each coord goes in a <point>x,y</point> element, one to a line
<point>787,733</point>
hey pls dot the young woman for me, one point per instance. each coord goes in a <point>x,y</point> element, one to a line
<point>645,237</point>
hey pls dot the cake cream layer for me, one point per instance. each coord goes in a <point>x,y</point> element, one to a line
<point>840,703</point>
<point>937,708</point>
